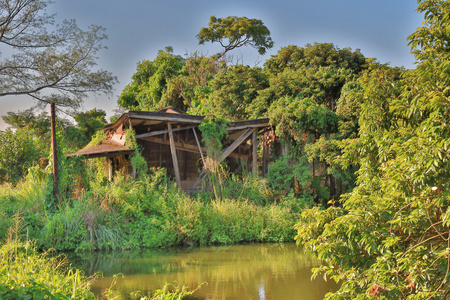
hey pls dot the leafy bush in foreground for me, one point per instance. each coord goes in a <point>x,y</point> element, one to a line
<point>390,240</point>
<point>28,274</point>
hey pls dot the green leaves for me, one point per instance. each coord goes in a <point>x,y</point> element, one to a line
<point>234,32</point>
<point>148,89</point>
<point>392,240</point>
<point>297,118</point>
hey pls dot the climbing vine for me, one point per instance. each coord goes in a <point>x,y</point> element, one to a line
<point>214,130</point>
<point>136,159</point>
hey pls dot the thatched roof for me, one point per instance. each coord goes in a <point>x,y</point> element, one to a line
<point>104,149</point>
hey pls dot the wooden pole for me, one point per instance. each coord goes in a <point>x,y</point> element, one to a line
<point>54,152</point>
<point>199,147</point>
<point>255,153</point>
<point>173,150</point>
<point>110,169</point>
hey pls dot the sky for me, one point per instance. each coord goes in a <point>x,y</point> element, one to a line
<point>137,29</point>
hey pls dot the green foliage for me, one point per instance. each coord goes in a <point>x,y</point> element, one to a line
<point>315,71</point>
<point>280,176</point>
<point>249,188</point>
<point>234,32</point>
<point>167,292</point>
<point>234,89</point>
<point>147,91</point>
<point>38,125</point>
<point>301,119</point>
<point>214,130</point>
<point>192,84</point>
<point>137,161</point>
<point>28,274</point>
<point>315,55</point>
<point>150,212</point>
<point>390,239</point>
<point>294,184</point>
<point>18,152</point>
<point>88,123</point>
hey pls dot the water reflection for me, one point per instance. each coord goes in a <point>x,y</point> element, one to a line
<point>262,292</point>
<point>267,271</point>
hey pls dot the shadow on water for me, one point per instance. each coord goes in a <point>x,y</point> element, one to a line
<point>257,271</point>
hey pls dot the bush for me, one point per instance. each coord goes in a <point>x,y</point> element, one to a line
<point>27,274</point>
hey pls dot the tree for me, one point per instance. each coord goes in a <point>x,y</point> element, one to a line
<point>390,239</point>
<point>18,152</point>
<point>234,89</point>
<point>90,122</point>
<point>305,85</point>
<point>53,64</point>
<point>37,125</point>
<point>148,88</point>
<point>317,71</point>
<point>193,83</point>
<point>234,32</point>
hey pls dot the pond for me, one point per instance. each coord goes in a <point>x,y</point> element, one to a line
<point>257,271</point>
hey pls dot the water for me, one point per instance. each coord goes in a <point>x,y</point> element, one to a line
<point>260,272</point>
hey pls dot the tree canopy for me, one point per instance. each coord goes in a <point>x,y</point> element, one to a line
<point>233,32</point>
<point>147,90</point>
<point>49,63</point>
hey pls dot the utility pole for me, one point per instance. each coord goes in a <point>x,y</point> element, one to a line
<point>54,152</point>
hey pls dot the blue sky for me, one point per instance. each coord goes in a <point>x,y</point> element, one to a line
<point>137,29</point>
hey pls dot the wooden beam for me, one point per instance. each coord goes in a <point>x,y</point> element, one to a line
<point>199,146</point>
<point>226,153</point>
<point>240,127</point>
<point>167,118</point>
<point>265,154</point>
<point>186,147</point>
<point>159,132</point>
<point>254,152</point>
<point>173,150</point>
<point>235,144</point>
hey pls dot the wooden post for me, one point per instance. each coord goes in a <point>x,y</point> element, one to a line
<point>173,150</point>
<point>54,152</point>
<point>255,153</point>
<point>110,169</point>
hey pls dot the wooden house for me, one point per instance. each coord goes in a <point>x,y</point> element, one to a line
<point>172,140</point>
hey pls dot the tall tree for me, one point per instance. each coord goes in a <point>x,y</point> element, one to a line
<point>53,64</point>
<point>234,32</point>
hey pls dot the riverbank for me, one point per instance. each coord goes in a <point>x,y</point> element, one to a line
<point>131,215</point>
<point>150,213</point>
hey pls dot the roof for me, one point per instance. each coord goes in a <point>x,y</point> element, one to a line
<point>104,149</point>
<point>176,117</point>
<point>143,119</point>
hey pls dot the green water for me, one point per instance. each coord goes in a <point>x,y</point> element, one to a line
<point>261,271</point>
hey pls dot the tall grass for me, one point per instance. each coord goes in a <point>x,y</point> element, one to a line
<point>151,212</point>
<point>27,274</point>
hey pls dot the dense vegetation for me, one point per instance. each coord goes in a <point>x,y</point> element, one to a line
<point>390,239</point>
<point>364,172</point>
